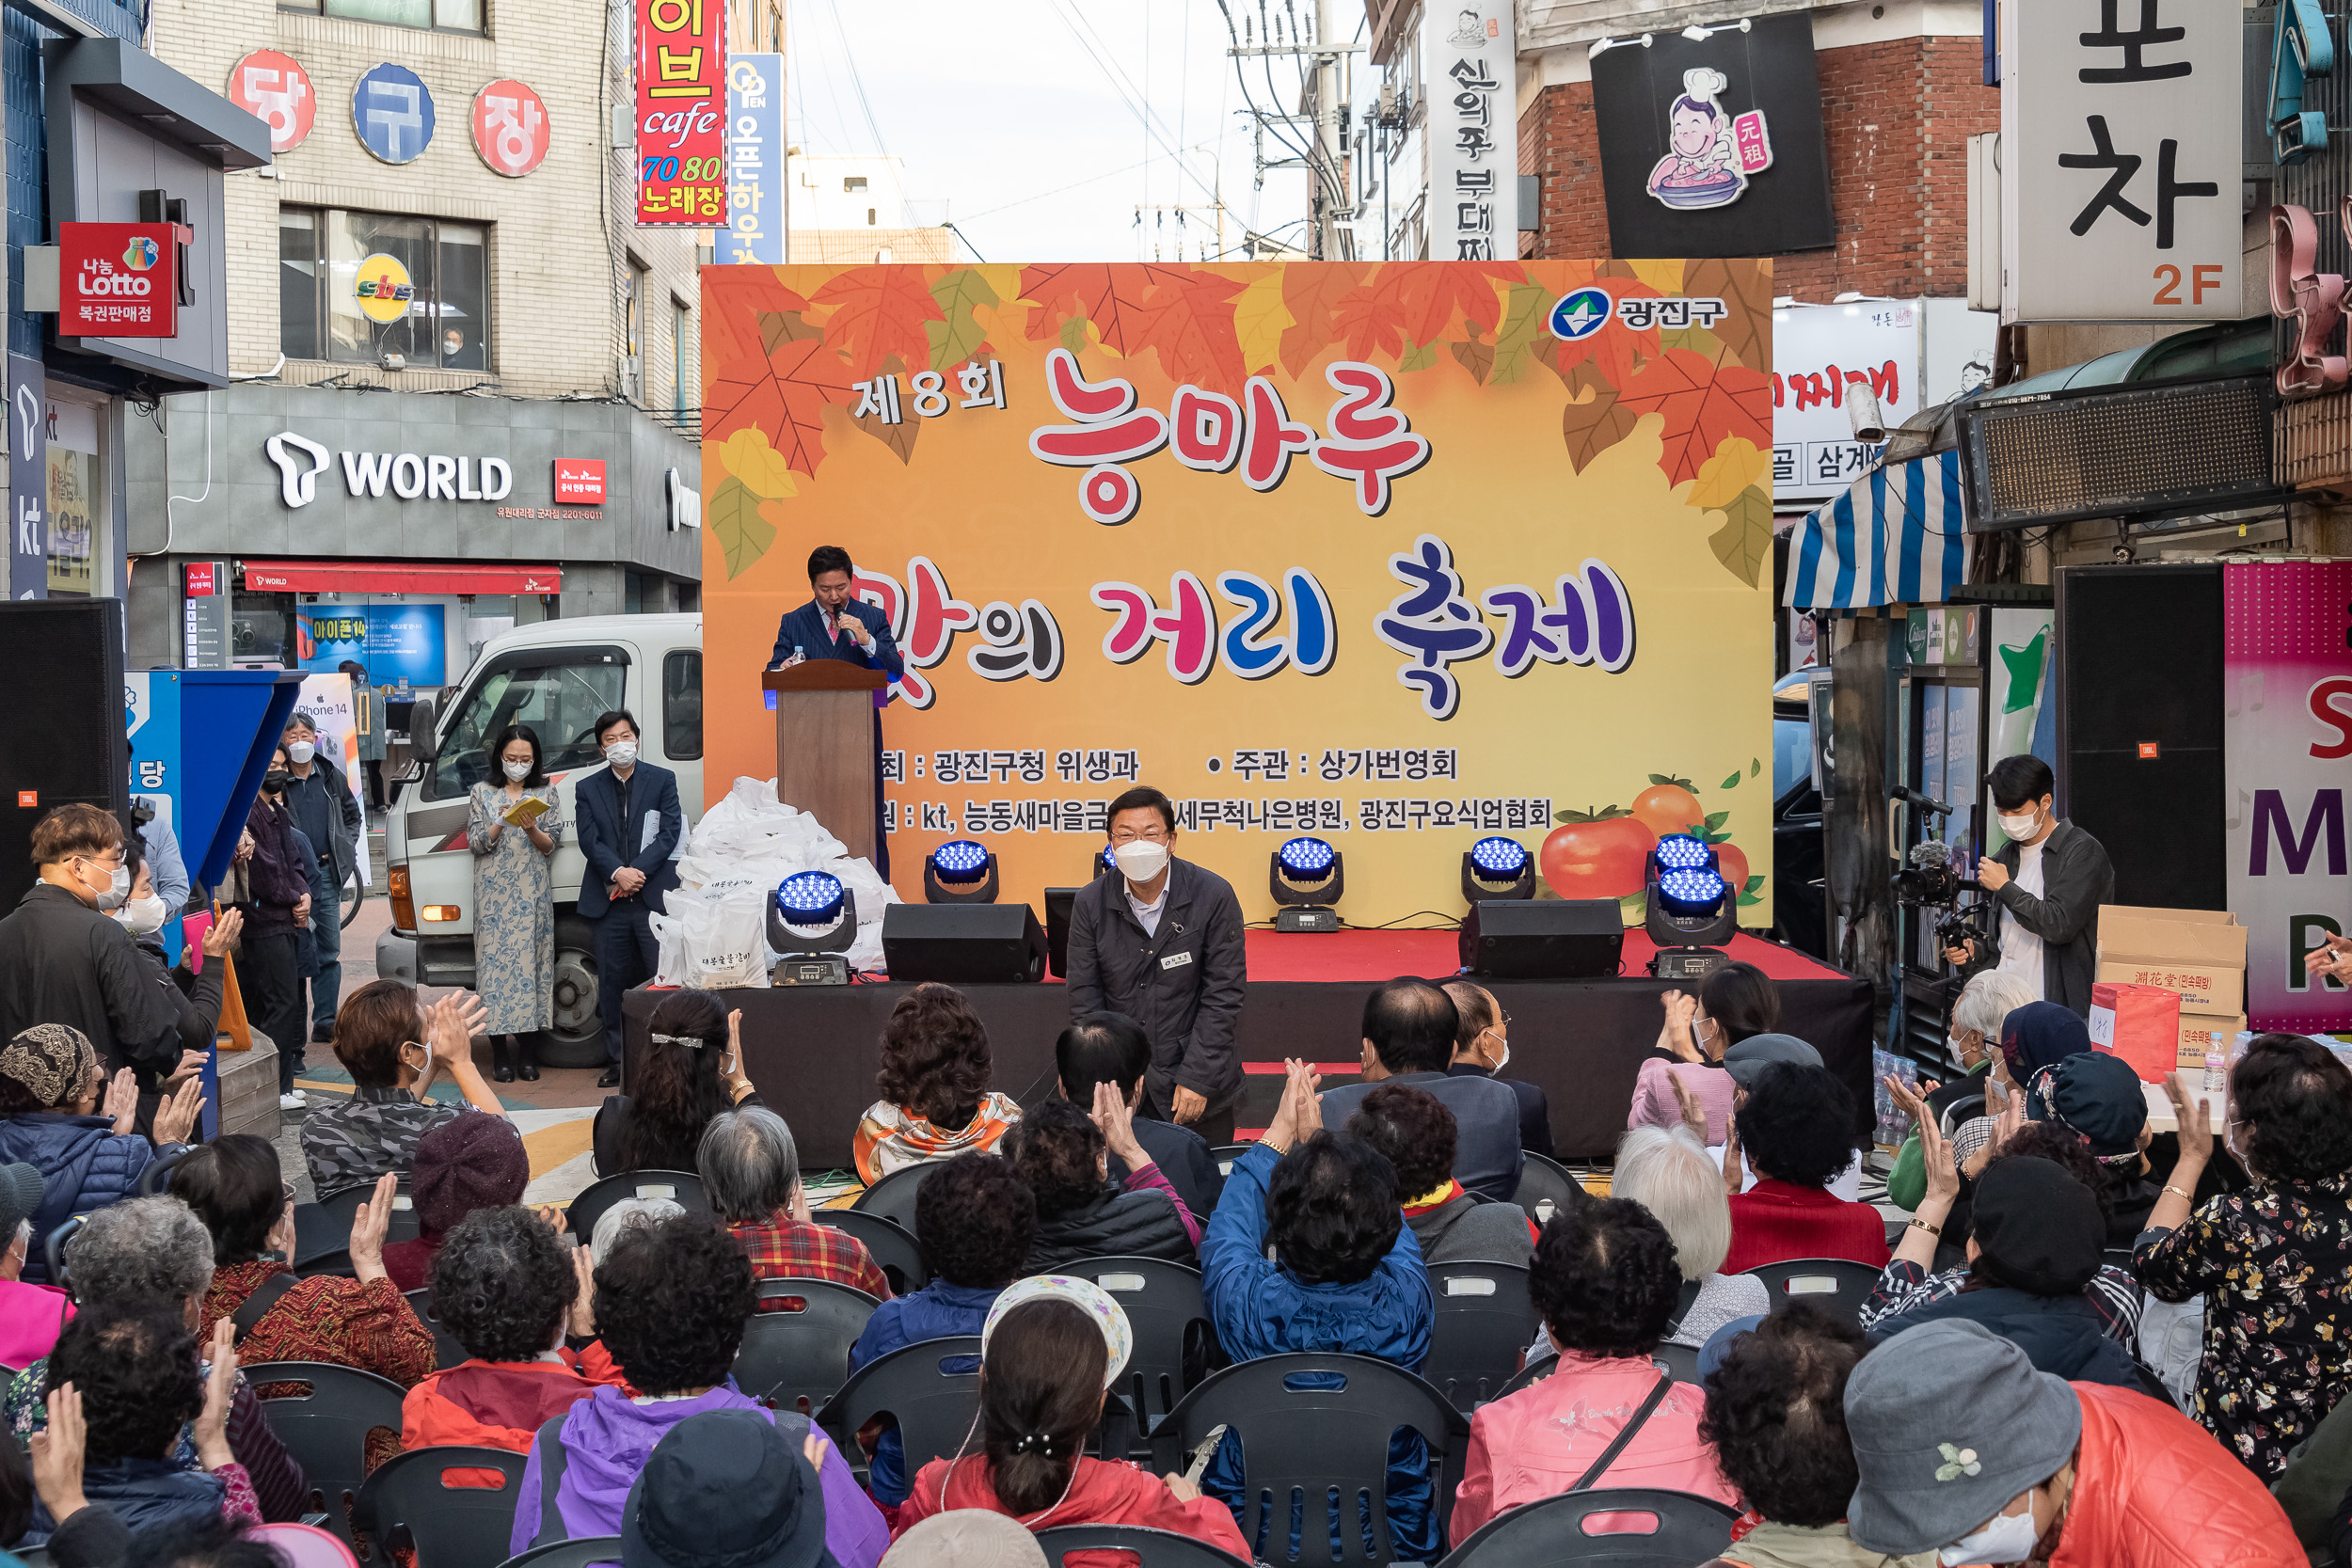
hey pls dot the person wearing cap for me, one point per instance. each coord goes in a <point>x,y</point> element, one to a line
<point>1964,1450</point>
<point>2033,1038</point>
<point>1051,1349</point>
<point>966,1538</point>
<point>727,1489</point>
<point>1795,1126</point>
<point>1988,999</point>
<point>31,1315</point>
<point>2097,1098</point>
<point>473,1160</point>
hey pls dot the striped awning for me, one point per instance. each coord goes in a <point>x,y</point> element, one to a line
<point>1894,537</point>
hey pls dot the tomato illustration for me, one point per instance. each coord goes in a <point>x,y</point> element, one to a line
<point>1668,806</point>
<point>1603,857</point>
<point>1734,864</point>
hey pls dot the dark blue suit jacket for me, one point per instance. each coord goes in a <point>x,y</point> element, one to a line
<point>610,844</point>
<point>805,628</point>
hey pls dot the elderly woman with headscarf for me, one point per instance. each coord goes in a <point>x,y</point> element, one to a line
<point>50,1090</point>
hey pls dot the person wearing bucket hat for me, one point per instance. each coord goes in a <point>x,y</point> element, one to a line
<point>1964,1449</point>
<point>725,1489</point>
<point>966,1538</point>
<point>1050,1351</point>
<point>31,1316</point>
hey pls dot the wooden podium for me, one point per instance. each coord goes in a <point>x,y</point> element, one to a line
<point>825,745</point>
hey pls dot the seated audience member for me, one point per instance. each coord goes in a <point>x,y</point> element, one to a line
<point>504,1288</point>
<point>1482,1048</point>
<point>1734,1003</point>
<point>30,1315</point>
<point>751,1171</point>
<point>2271,1261</point>
<point>1345,1275</point>
<point>1415,1130</point>
<point>153,1249</point>
<point>1112,1048</point>
<point>81,1536</point>
<point>692,1070</point>
<point>233,1186</point>
<point>2097,1099</point>
<point>1988,998</point>
<point>1670,1175</point>
<point>631,1214</point>
<point>1051,1349</point>
<point>49,1084</point>
<point>1965,1451</point>
<point>1605,1281</point>
<point>974,1219</point>
<point>2034,1036</point>
<point>935,1099</point>
<point>1776,1417</point>
<point>1063,1157</point>
<point>671,1303</point>
<point>966,1538</point>
<point>1796,1127</point>
<point>727,1489</point>
<point>1408,1032</point>
<point>133,1363</point>
<point>392,1047</point>
<point>474,1161</point>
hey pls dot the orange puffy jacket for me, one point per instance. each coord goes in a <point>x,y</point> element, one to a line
<point>2153,1490</point>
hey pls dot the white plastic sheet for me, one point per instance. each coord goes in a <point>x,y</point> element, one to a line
<point>751,840</point>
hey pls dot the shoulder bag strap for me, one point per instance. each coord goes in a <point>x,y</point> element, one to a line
<point>554,1459</point>
<point>257,1305</point>
<point>1625,1434</point>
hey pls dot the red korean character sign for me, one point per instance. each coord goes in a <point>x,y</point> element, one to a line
<point>681,112</point>
<point>510,128</point>
<point>118,279</point>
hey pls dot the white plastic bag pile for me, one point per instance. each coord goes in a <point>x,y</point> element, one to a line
<point>715,934</point>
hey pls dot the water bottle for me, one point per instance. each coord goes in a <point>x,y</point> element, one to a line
<point>2217,1056</point>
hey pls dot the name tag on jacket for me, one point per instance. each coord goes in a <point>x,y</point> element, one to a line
<point>1176,960</point>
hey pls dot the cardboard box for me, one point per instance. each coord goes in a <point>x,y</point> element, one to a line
<point>2197,1028</point>
<point>2200,954</point>
<point>2201,988</point>
<point>2139,1023</point>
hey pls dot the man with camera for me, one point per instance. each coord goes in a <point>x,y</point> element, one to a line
<point>2048,880</point>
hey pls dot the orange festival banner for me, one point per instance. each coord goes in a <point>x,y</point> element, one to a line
<point>1397,555</point>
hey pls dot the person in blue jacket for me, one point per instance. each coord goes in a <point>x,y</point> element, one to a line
<point>836,624</point>
<point>1347,1275</point>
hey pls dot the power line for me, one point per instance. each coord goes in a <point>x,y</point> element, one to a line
<point>857,79</point>
<point>1091,179</point>
<point>1124,85</point>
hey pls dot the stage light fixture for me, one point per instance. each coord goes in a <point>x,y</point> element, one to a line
<point>1106,860</point>
<point>1496,870</point>
<point>960,872</point>
<point>811,920</point>
<point>1307,877</point>
<point>1691,908</point>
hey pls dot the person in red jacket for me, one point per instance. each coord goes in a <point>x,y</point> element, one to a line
<point>1796,1125</point>
<point>1051,1349</point>
<point>1964,1449</point>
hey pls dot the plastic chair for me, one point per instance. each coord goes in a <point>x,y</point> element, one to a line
<point>151,1178</point>
<point>892,1196</point>
<point>1225,1154</point>
<point>450,1525</point>
<point>1545,1188</point>
<point>1314,1448</point>
<point>681,1187</point>
<point>1158,1548</point>
<point>895,1249</point>
<point>327,1428</point>
<point>53,1249</point>
<point>799,1357</point>
<point>582,1553</point>
<point>305,1546</point>
<point>1837,1285</point>
<point>1681,1362</point>
<point>1162,1304</point>
<point>335,1263</point>
<point>446,1352</point>
<point>338,1211</point>
<point>1485,1319</point>
<point>1552,1533</point>
<point>932,1387</point>
<point>31,1557</point>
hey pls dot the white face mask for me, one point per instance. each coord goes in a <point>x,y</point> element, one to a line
<point>300,752</point>
<point>2021,827</point>
<point>2009,1538</point>
<point>144,916</point>
<point>1141,861</point>
<point>1504,1060</point>
<point>518,772</point>
<point>117,890</point>
<point>622,754</point>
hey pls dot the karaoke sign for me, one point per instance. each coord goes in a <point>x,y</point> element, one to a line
<point>681,112</point>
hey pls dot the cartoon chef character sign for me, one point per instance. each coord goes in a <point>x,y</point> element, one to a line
<point>1711,152</point>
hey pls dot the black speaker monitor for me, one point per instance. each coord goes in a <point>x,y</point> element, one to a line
<point>1566,938</point>
<point>962,944</point>
<point>1059,903</point>
<point>63,713</point>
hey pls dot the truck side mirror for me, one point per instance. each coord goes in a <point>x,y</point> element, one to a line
<point>424,741</point>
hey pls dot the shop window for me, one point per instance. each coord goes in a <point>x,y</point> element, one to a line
<point>260,628</point>
<point>679,331</point>
<point>442,16</point>
<point>682,705</point>
<point>327,257</point>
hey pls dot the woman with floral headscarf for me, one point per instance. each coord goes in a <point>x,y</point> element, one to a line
<point>51,1119</point>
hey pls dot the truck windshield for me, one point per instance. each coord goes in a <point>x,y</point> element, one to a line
<point>559,692</point>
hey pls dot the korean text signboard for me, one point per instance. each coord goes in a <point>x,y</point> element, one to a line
<point>118,279</point>
<point>755,230</point>
<point>681,110</point>
<point>1818,352</point>
<point>1469,55</point>
<point>1398,555</point>
<point>2120,160</point>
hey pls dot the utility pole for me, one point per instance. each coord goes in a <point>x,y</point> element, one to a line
<point>1327,183</point>
<point>1324,79</point>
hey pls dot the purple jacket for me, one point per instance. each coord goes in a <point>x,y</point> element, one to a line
<point>606,1440</point>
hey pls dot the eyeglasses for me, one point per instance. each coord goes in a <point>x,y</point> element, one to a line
<point>1147,835</point>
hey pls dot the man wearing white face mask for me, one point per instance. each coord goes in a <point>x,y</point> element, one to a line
<point>1160,940</point>
<point>319,798</point>
<point>2048,881</point>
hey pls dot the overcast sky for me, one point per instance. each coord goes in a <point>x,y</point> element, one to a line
<point>998,107</point>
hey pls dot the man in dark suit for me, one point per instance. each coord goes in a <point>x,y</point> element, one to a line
<point>629,822</point>
<point>836,624</point>
<point>1409,1036</point>
<point>1482,1048</point>
<point>1111,1048</point>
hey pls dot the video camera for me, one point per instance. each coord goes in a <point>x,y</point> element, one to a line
<point>1928,881</point>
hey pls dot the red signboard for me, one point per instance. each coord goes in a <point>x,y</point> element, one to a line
<point>681,112</point>
<point>510,128</point>
<point>118,279</point>
<point>579,482</point>
<point>275,89</point>
<point>201,580</point>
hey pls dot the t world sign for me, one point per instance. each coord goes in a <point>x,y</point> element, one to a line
<point>300,461</point>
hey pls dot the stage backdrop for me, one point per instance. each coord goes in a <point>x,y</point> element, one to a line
<point>1396,554</point>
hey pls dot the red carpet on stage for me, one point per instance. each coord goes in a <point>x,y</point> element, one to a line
<point>1343,956</point>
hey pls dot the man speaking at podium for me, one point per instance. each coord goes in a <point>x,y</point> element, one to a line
<point>837,624</point>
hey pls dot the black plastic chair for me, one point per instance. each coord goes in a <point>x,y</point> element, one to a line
<point>1681,1362</point>
<point>582,1553</point>
<point>1158,1548</point>
<point>1162,1304</point>
<point>151,1179</point>
<point>797,1356</point>
<point>896,1252</point>
<point>446,1352</point>
<point>1485,1319</point>
<point>681,1187</point>
<point>1552,1533</point>
<point>1837,1285</point>
<point>932,1387</point>
<point>1316,1448</point>
<point>1545,1188</point>
<point>53,1249</point>
<point>449,1525</point>
<point>892,1196</point>
<point>336,1212</point>
<point>335,1263</point>
<point>327,1428</point>
<point>1225,1154</point>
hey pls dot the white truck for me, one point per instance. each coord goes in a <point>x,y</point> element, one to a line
<point>556,676</point>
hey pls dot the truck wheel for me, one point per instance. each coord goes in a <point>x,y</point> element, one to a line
<point>577,1038</point>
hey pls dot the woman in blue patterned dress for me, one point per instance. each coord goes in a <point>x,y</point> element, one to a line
<point>514,919</point>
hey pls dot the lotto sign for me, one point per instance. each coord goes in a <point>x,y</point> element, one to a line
<point>275,89</point>
<point>1374,552</point>
<point>118,279</point>
<point>510,128</point>
<point>681,112</point>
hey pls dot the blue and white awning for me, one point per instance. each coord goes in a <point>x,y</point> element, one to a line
<point>1894,537</point>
